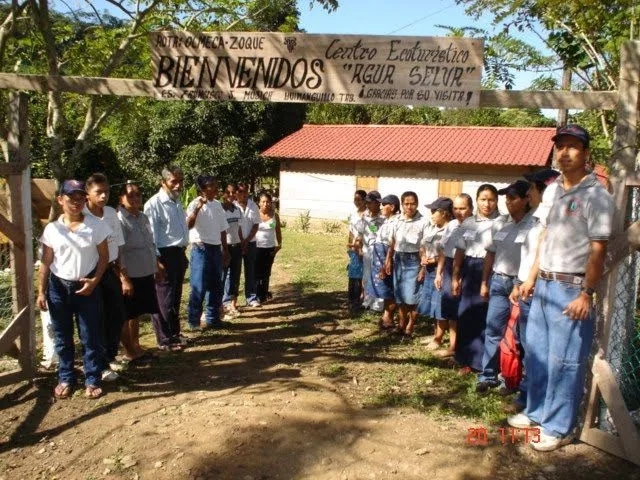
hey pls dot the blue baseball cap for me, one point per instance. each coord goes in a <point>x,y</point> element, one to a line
<point>70,187</point>
<point>519,188</point>
<point>573,130</point>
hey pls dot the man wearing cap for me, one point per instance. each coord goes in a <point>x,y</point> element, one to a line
<point>366,229</point>
<point>569,266</point>
<point>171,235</point>
<point>500,270</point>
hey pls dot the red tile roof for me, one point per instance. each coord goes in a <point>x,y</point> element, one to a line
<point>418,143</point>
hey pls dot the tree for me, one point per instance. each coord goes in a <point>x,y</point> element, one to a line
<point>585,34</point>
<point>84,41</point>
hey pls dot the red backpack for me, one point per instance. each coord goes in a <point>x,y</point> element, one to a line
<point>510,362</point>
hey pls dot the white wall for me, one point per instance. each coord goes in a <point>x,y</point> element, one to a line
<point>325,196</point>
<point>426,188</point>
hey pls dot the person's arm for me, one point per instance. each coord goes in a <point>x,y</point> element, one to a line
<point>154,220</point>
<point>423,268</point>
<point>388,262</point>
<point>127,286</point>
<point>526,289</point>
<point>89,284</point>
<point>191,218</point>
<point>458,259</point>
<point>278,234</point>
<point>439,271</point>
<point>43,274</point>
<point>579,308</point>
<point>487,268</point>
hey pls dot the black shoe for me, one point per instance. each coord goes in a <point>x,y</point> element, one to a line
<point>484,387</point>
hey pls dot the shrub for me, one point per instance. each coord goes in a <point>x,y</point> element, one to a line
<point>304,221</point>
<point>331,227</point>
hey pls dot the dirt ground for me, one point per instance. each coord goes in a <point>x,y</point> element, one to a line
<point>263,399</point>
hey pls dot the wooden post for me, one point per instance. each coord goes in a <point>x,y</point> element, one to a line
<point>563,113</point>
<point>20,211</point>
<point>623,163</point>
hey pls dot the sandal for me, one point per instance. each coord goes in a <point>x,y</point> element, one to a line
<point>62,391</point>
<point>93,392</point>
<point>432,346</point>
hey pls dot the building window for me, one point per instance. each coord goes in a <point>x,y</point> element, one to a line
<point>367,183</point>
<point>449,188</point>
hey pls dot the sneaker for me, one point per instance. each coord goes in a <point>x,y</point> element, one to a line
<point>520,420</point>
<point>254,304</point>
<point>109,375</point>
<point>548,443</point>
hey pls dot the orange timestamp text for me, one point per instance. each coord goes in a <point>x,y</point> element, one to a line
<point>506,435</point>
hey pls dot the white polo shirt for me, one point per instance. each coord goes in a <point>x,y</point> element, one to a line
<point>75,253</point>
<point>409,233</point>
<point>506,241</point>
<point>529,246</point>
<point>577,216</point>
<point>250,217</point>
<point>116,238</point>
<point>449,238</point>
<point>210,222</point>
<point>475,235</point>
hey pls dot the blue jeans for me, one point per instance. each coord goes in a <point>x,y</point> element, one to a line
<point>232,273</point>
<point>497,319</point>
<point>556,357</point>
<point>63,304</point>
<point>206,283</point>
<point>249,261</point>
<point>525,307</point>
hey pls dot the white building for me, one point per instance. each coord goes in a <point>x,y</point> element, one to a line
<point>321,166</point>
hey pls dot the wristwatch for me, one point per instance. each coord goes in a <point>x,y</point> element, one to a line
<point>589,291</point>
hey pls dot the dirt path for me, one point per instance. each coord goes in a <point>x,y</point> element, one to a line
<point>255,402</point>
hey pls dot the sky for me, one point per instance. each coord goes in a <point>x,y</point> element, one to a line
<point>402,17</point>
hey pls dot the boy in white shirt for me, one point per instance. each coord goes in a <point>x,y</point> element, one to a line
<point>74,258</point>
<point>115,281</point>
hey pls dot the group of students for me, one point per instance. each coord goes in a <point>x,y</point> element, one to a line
<point>102,268</point>
<point>466,271</point>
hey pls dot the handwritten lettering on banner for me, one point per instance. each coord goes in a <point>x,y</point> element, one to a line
<point>284,67</point>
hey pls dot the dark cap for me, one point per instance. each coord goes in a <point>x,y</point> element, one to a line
<point>70,187</point>
<point>519,187</point>
<point>545,176</point>
<point>373,196</point>
<point>443,203</point>
<point>573,131</point>
<point>390,200</point>
<point>204,180</point>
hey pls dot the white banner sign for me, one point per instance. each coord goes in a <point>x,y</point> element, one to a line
<point>296,67</point>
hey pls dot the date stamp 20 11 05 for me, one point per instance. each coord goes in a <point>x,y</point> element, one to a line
<point>480,435</point>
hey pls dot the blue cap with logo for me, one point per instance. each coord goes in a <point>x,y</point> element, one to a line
<point>70,187</point>
<point>573,130</point>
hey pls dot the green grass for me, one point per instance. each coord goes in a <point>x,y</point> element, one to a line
<point>333,370</point>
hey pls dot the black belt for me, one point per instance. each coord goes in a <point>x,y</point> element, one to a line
<point>572,278</point>
<point>504,275</point>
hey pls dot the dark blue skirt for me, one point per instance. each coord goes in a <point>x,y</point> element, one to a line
<point>450,304</point>
<point>472,316</point>
<point>375,287</point>
<point>430,297</point>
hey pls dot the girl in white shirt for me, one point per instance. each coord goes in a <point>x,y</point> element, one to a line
<point>269,243</point>
<point>235,241</point>
<point>75,255</point>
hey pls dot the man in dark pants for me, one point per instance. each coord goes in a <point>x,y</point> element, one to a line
<point>171,235</point>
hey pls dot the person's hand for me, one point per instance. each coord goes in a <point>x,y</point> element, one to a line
<point>579,308</point>
<point>455,287</point>
<point>276,250</point>
<point>387,268</point>
<point>484,291</point>
<point>202,201</point>
<point>421,274</point>
<point>41,302</point>
<point>381,274</point>
<point>514,295</point>
<point>89,285</point>
<point>526,289</point>
<point>424,260</point>
<point>437,282</point>
<point>127,287</point>
<point>161,275</point>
